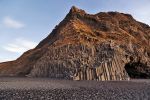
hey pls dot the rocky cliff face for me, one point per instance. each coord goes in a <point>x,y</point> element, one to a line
<point>104,46</point>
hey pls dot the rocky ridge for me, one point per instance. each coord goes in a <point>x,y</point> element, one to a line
<point>102,46</point>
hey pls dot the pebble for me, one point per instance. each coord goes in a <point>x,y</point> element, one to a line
<point>47,89</point>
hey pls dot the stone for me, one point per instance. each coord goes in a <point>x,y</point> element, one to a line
<point>88,47</point>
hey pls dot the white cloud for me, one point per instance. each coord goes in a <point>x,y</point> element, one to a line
<point>20,45</point>
<point>11,23</point>
<point>2,60</point>
<point>5,59</point>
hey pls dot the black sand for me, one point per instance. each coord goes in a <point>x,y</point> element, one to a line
<point>50,89</point>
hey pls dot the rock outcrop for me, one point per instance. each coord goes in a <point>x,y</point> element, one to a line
<point>103,46</point>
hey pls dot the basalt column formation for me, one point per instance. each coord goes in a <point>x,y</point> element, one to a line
<point>102,46</point>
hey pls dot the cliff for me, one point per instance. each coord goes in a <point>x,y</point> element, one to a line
<point>102,46</point>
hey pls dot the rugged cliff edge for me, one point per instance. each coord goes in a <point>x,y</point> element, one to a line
<point>103,46</point>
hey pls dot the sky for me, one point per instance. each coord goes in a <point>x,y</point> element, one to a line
<point>24,23</point>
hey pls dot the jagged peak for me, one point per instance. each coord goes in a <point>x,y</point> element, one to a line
<point>75,10</point>
<point>118,15</point>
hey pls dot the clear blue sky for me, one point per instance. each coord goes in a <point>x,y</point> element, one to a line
<point>24,23</point>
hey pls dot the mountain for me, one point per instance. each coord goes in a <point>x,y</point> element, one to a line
<point>102,46</point>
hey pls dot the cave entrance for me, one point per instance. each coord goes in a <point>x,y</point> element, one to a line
<point>137,70</point>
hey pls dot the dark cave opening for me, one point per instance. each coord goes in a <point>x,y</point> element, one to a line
<point>137,70</point>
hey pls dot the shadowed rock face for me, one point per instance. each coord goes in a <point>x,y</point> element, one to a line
<point>104,46</point>
<point>82,62</point>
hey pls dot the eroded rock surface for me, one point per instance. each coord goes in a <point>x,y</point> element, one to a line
<point>103,46</point>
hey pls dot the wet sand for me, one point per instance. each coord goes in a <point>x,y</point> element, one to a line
<point>51,89</point>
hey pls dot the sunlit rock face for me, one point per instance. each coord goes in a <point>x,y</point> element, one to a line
<point>102,46</point>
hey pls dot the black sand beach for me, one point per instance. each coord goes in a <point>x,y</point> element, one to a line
<point>51,89</point>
